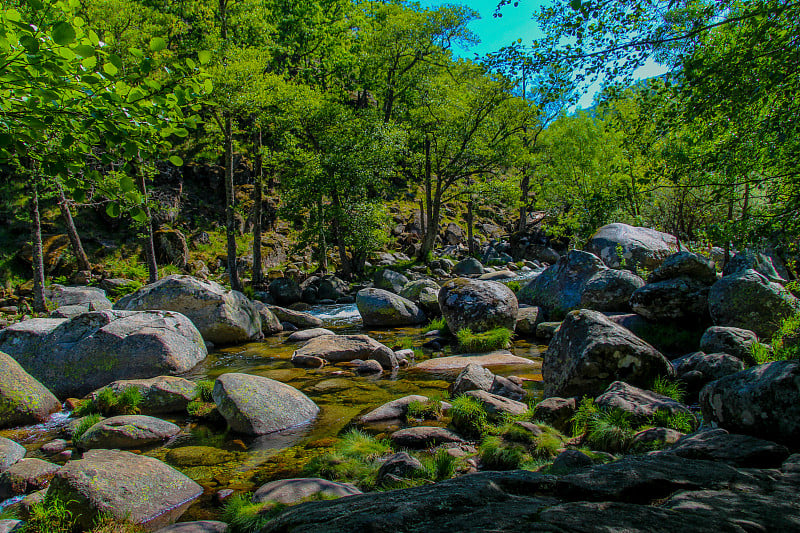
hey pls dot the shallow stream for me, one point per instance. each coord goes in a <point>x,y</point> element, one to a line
<point>231,461</point>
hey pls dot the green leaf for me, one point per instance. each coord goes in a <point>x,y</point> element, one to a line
<point>204,56</point>
<point>113,210</point>
<point>13,15</point>
<point>84,50</point>
<point>110,69</point>
<point>138,215</point>
<point>31,44</point>
<point>208,86</point>
<point>89,63</point>
<point>575,4</point>
<point>5,139</point>
<point>175,160</point>
<point>67,141</point>
<point>63,33</point>
<point>157,44</point>
<point>126,184</point>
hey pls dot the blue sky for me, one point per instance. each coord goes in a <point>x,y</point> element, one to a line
<point>516,23</point>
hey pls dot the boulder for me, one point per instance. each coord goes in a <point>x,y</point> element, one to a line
<point>256,405</point>
<point>127,431</point>
<point>556,412</point>
<point>162,394</point>
<point>27,336</point>
<point>685,265</point>
<point>570,460</point>
<point>285,291</point>
<point>429,302</point>
<point>527,320</point>
<point>497,406</point>
<point>270,324</point>
<point>547,330</point>
<point>758,261</point>
<point>455,363</point>
<point>291,491</point>
<point>589,352</point>
<point>641,404</point>
<point>10,525</point>
<point>389,280</point>
<point>23,400</point>
<point>221,316</point>
<point>171,247</point>
<point>298,318</point>
<point>698,368</point>
<point>738,450</point>
<point>130,487</point>
<point>677,300</point>
<point>331,288</point>
<point>734,341</point>
<point>305,335</point>
<point>610,290</point>
<point>500,275</point>
<point>473,377</point>
<point>200,526</point>
<point>657,436</point>
<point>94,349</point>
<point>468,267</point>
<point>763,401</point>
<point>400,465</point>
<point>370,367</point>
<point>382,308</point>
<point>413,289</point>
<point>90,298</point>
<point>631,247</point>
<point>394,410</point>
<point>748,300</point>
<point>10,453</point>
<point>477,305</point>
<point>344,348</point>
<point>26,476</point>
<point>423,437</point>
<point>453,234</point>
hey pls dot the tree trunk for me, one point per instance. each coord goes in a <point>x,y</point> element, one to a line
<point>230,203</point>
<point>39,303</point>
<point>258,275</point>
<point>323,246</point>
<point>422,216</point>
<point>149,242</point>
<point>347,270</point>
<point>429,231</point>
<point>470,224</point>
<point>72,231</point>
<point>524,187</point>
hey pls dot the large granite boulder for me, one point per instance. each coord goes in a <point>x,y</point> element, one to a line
<point>331,288</point>
<point>89,298</point>
<point>763,401</point>
<point>636,247</point>
<point>298,318</point>
<point>127,431</point>
<point>382,308</point>
<point>394,410</point>
<point>731,448</point>
<point>413,289</point>
<point>758,261</point>
<point>26,476</point>
<point>389,280</point>
<point>748,300</point>
<point>285,291</point>
<point>256,405</point>
<point>289,491</point>
<point>698,368</point>
<point>270,323</point>
<point>27,336</point>
<point>589,352</point>
<point>130,487</point>
<point>685,265</point>
<point>468,267</point>
<point>640,404</point>
<point>477,305</point>
<point>678,300</point>
<point>733,341</point>
<point>94,349</point>
<point>344,348</point>
<point>579,280</point>
<point>23,400</point>
<point>10,453</point>
<point>221,316</point>
<point>162,394</point>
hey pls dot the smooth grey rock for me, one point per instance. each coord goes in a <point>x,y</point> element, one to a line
<point>734,341</point>
<point>477,305</point>
<point>270,323</point>
<point>527,320</point>
<point>497,406</point>
<point>556,412</point>
<point>680,299</point>
<point>290,491</point>
<point>344,348</point>
<point>413,289</point>
<point>641,404</point>
<point>92,298</point>
<point>640,247</point>
<point>127,431</point>
<point>285,291</point>
<point>396,409</point>
<point>308,334</point>
<point>737,450</point>
<point>389,280</point>
<point>685,265</point>
<point>26,476</point>
<point>758,261</point>
<point>161,394</point>
<point>298,318</point>
<point>400,465</point>
<point>27,336</point>
<point>709,367</point>
<point>10,453</point>
<point>23,400</point>
<point>383,308</point>
<point>610,290</point>
<point>473,377</point>
<point>423,437</point>
<point>468,267</point>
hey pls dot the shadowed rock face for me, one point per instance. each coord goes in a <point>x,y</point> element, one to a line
<point>221,316</point>
<point>477,305</point>
<point>93,349</point>
<point>255,405</point>
<point>23,400</point>
<point>380,307</point>
<point>131,487</point>
<point>589,352</point>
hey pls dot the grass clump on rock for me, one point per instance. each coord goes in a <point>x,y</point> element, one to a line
<point>244,516</point>
<point>494,339</point>
<point>497,454</point>
<point>671,389</point>
<point>51,515</point>
<point>428,410</point>
<point>468,416</point>
<point>355,459</point>
<point>84,424</point>
<point>110,403</point>
<point>437,324</point>
<point>785,343</point>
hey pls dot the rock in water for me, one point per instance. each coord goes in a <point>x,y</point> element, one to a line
<point>128,431</point>
<point>221,316</point>
<point>748,300</point>
<point>763,401</point>
<point>382,308</point>
<point>589,352</point>
<point>94,349</point>
<point>130,487</point>
<point>162,394</point>
<point>23,400</point>
<point>255,405</point>
<point>637,247</point>
<point>477,305</point>
<point>345,348</point>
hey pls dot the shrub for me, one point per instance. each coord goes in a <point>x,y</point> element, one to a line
<point>493,339</point>
<point>671,389</point>
<point>358,444</point>
<point>515,286</point>
<point>586,412</point>
<point>444,465</point>
<point>354,459</point>
<point>438,324</point>
<point>610,430</point>
<point>468,415</point>
<point>85,423</point>
<point>679,421</point>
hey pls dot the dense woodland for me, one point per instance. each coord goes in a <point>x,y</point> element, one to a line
<point>328,113</point>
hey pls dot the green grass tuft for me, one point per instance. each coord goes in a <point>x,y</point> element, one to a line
<point>437,324</point>
<point>671,389</point>
<point>244,516</point>
<point>586,412</point>
<point>468,416</point>
<point>487,341</point>
<point>85,423</point>
<point>610,431</point>
<point>679,421</point>
<point>499,455</point>
<point>203,391</point>
<point>50,515</point>
<point>109,403</point>
<point>429,410</point>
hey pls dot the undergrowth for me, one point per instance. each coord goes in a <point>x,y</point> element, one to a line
<point>109,403</point>
<point>84,424</point>
<point>468,416</point>
<point>487,341</point>
<point>437,324</point>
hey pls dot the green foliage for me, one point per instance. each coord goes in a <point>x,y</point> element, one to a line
<point>493,339</point>
<point>443,466</point>
<point>679,420</point>
<point>203,390</point>
<point>428,410</point>
<point>786,341</point>
<point>109,403</point>
<point>49,516</point>
<point>118,292</point>
<point>244,516</point>
<point>515,286</point>
<point>85,423</point>
<point>671,389</point>
<point>437,324</point>
<point>499,455</point>
<point>610,430</point>
<point>586,412</point>
<point>468,415</point>
<point>762,353</point>
<point>355,458</point>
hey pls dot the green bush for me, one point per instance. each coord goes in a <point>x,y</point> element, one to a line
<point>49,516</point>
<point>203,391</point>
<point>118,292</point>
<point>610,430</point>
<point>679,421</point>
<point>487,341</point>
<point>85,423</point>
<point>586,412</point>
<point>355,459</point>
<point>468,415</point>
<point>443,467</point>
<point>515,286</point>
<point>360,445</point>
